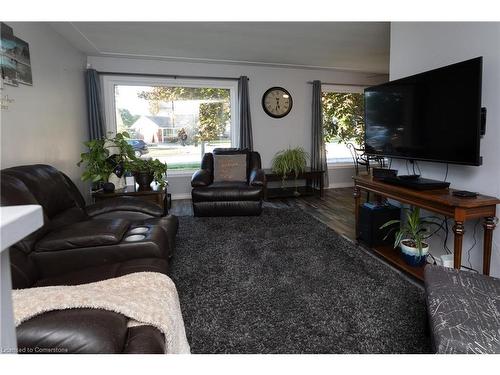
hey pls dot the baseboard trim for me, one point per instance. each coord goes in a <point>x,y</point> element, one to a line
<point>337,185</point>
<point>181,196</point>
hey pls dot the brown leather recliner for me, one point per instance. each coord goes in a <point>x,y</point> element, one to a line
<point>83,330</point>
<point>226,198</point>
<point>76,236</point>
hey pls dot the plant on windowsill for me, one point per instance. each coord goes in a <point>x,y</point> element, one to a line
<point>146,171</point>
<point>103,157</point>
<point>291,160</point>
<point>411,236</point>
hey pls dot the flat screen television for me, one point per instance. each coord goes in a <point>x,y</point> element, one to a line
<point>433,116</point>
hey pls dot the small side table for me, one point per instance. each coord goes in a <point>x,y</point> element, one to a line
<point>309,175</point>
<point>156,195</point>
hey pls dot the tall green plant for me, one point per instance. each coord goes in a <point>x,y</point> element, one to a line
<point>97,165</point>
<point>291,160</point>
<point>415,229</point>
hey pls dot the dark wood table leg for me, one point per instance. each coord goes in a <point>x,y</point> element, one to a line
<point>165,203</point>
<point>458,230</point>
<point>357,201</point>
<point>489,226</point>
<point>321,185</point>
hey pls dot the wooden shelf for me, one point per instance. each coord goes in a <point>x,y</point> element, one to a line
<point>289,192</point>
<point>439,201</point>
<point>393,256</point>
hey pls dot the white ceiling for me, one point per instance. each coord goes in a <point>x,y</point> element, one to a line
<point>358,46</point>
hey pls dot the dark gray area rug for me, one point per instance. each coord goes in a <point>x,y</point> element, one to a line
<point>285,283</point>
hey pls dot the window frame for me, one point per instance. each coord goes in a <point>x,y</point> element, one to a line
<point>109,83</point>
<point>351,89</point>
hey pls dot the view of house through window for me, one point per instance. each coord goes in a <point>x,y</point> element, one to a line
<point>176,125</point>
<point>343,123</point>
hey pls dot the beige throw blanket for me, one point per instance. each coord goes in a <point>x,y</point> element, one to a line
<point>149,298</point>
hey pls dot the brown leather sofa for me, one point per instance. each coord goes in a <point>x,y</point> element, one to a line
<point>83,330</point>
<point>76,236</point>
<point>228,198</point>
<point>81,244</point>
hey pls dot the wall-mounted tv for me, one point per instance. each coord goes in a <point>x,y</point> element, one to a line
<point>434,116</point>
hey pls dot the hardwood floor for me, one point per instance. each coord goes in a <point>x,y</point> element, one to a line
<point>335,209</point>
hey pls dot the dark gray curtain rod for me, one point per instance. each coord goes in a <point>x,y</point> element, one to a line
<point>341,84</point>
<point>175,76</point>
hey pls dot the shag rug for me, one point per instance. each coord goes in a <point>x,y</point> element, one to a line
<point>283,282</point>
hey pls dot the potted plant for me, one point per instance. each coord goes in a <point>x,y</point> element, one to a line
<point>291,160</point>
<point>411,237</point>
<point>103,157</point>
<point>146,171</point>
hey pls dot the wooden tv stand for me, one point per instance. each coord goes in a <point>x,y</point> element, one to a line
<point>438,201</point>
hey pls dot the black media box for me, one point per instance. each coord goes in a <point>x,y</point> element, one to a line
<point>371,218</point>
<point>379,173</point>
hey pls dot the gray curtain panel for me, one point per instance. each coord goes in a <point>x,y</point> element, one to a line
<point>246,138</point>
<point>318,151</point>
<point>95,106</point>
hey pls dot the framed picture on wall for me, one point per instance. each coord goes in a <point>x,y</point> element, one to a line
<point>15,60</point>
<point>22,51</point>
<point>24,74</point>
<point>9,70</point>
<point>7,41</point>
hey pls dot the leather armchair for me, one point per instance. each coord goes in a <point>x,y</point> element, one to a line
<point>228,198</point>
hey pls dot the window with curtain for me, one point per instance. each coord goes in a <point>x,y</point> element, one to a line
<point>343,121</point>
<point>172,121</point>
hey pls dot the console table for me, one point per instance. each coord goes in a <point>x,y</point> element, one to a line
<point>439,201</point>
<point>309,175</point>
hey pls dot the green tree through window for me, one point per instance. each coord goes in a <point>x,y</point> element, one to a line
<point>343,117</point>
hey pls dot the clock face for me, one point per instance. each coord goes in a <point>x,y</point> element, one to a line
<point>277,102</point>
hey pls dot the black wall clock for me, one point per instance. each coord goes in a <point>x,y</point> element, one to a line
<point>277,102</point>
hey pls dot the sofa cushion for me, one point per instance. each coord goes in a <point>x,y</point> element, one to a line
<point>230,168</point>
<point>107,271</point>
<point>87,233</point>
<point>464,310</point>
<point>13,192</point>
<point>125,206</point>
<point>47,185</point>
<point>227,191</point>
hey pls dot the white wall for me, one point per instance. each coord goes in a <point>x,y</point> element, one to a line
<point>270,135</point>
<point>417,47</point>
<point>47,122</point>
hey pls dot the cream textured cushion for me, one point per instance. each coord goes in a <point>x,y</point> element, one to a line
<point>230,168</point>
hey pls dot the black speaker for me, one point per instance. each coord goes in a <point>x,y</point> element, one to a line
<point>371,218</point>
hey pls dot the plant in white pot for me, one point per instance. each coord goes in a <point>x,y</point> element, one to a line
<point>411,237</point>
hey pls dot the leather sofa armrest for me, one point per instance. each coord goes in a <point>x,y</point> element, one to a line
<point>201,178</point>
<point>98,232</point>
<point>257,177</point>
<point>124,204</point>
<point>72,331</point>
